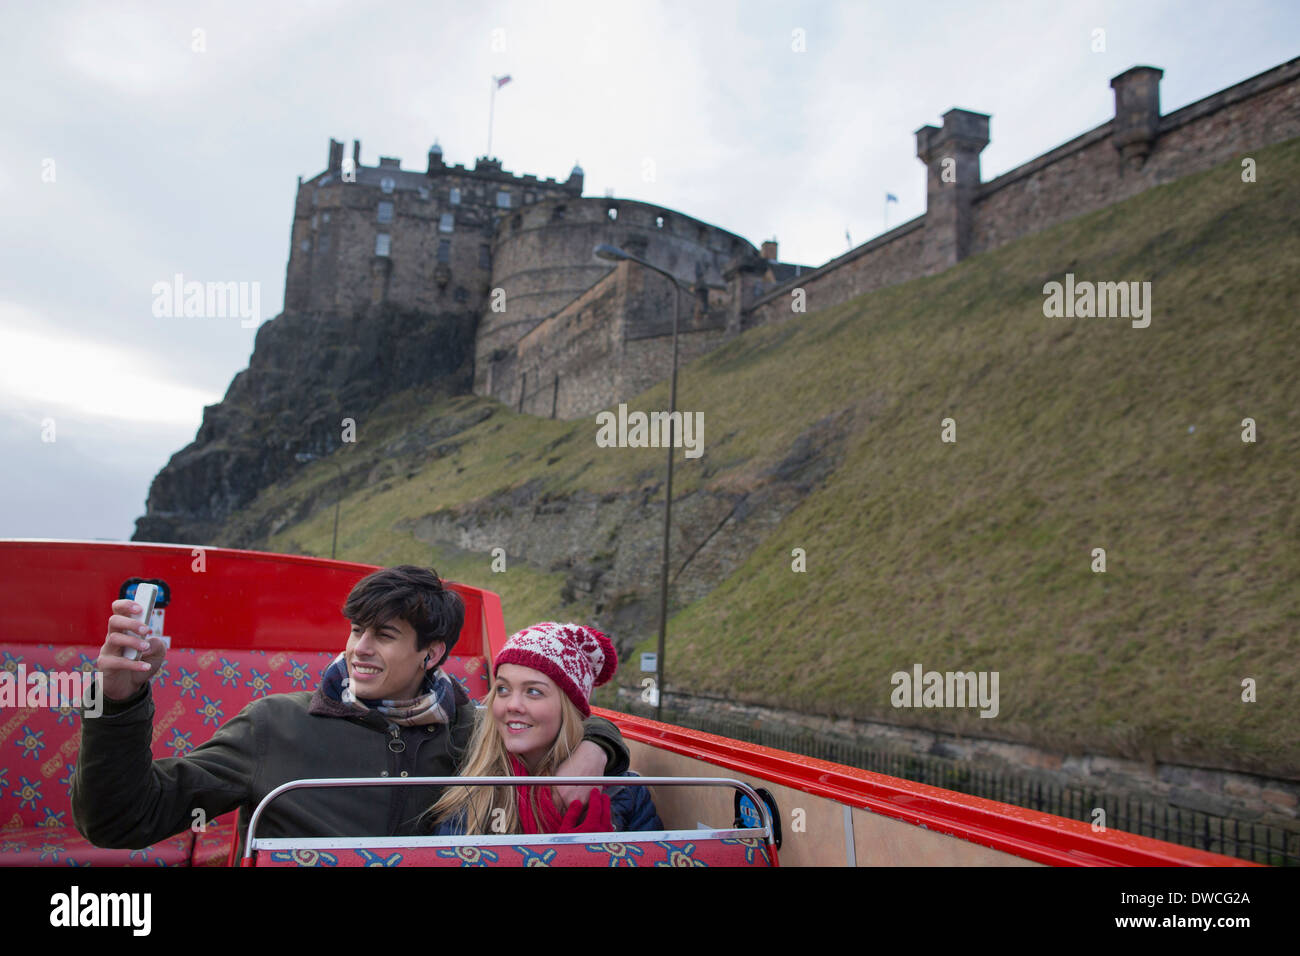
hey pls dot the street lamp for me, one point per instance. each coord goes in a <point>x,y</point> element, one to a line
<point>611,253</point>
<point>305,456</point>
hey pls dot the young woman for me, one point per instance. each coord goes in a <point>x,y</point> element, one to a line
<point>531,723</point>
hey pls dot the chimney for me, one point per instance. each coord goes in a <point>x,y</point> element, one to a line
<point>1137,113</point>
<point>336,157</point>
<point>769,250</point>
<point>356,154</point>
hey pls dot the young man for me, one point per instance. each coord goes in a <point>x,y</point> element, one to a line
<point>383,709</point>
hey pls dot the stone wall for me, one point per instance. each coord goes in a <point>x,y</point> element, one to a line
<point>886,260</point>
<point>1089,173</point>
<point>1137,150</point>
<point>544,264</point>
<point>610,343</point>
<point>566,365</point>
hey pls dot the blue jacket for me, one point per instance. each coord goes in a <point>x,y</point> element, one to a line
<point>631,809</point>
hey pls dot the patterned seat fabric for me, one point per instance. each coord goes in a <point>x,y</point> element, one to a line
<point>706,851</point>
<point>212,847</point>
<point>195,692</point>
<point>64,846</point>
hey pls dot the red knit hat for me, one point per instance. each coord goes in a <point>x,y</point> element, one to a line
<point>575,656</point>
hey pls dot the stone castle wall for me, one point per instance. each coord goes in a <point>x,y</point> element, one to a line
<point>1116,160</point>
<point>552,329</point>
<point>1088,172</point>
<point>564,364</point>
<point>615,339</point>
<point>886,260</point>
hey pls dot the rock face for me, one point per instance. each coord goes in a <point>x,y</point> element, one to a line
<point>307,374</point>
<point>610,546</point>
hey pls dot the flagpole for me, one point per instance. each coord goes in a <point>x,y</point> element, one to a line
<point>492,102</point>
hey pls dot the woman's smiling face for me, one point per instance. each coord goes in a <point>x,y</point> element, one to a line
<point>526,707</point>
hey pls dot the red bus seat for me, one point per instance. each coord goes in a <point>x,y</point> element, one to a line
<point>703,847</point>
<point>682,848</point>
<point>194,693</point>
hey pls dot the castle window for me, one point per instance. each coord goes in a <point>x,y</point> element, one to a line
<point>444,250</point>
<point>387,184</point>
<point>306,245</point>
<point>383,242</point>
<point>447,223</point>
<point>385,212</point>
<point>503,199</point>
<point>324,217</point>
<point>323,244</point>
<point>557,213</point>
<point>516,222</point>
<point>528,197</point>
<point>455,197</point>
<point>485,256</point>
<point>462,294</point>
<point>613,214</point>
<point>424,193</point>
<point>659,222</point>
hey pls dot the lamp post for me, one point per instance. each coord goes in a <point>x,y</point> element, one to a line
<point>304,456</point>
<point>614,254</point>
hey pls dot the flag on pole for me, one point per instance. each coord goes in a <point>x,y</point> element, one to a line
<point>502,81</point>
<point>890,197</point>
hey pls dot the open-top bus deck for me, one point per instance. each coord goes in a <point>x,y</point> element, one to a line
<point>243,624</point>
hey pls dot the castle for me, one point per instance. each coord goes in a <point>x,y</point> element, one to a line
<point>565,331</point>
<point>481,280</point>
<point>562,334</point>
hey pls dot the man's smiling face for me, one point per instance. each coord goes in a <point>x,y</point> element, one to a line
<point>384,663</point>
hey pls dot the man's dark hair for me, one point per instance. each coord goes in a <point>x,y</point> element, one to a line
<point>416,595</point>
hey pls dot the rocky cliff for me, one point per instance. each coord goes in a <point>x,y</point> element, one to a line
<point>308,373</point>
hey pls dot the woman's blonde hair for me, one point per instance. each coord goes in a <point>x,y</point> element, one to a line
<point>487,757</point>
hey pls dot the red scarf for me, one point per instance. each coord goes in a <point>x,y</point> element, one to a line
<point>550,813</point>
<point>593,816</point>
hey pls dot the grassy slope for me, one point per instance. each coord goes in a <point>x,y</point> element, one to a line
<point>1072,434</point>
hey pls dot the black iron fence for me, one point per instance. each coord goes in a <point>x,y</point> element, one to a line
<point>1244,839</point>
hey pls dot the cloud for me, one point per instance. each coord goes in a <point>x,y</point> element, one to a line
<point>67,373</point>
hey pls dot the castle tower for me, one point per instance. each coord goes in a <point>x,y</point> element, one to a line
<point>1137,113</point>
<point>569,333</point>
<point>952,159</point>
<point>368,237</point>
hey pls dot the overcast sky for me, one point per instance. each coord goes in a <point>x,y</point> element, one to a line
<point>134,148</point>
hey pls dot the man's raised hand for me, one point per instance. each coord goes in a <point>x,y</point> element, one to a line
<point>123,678</point>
